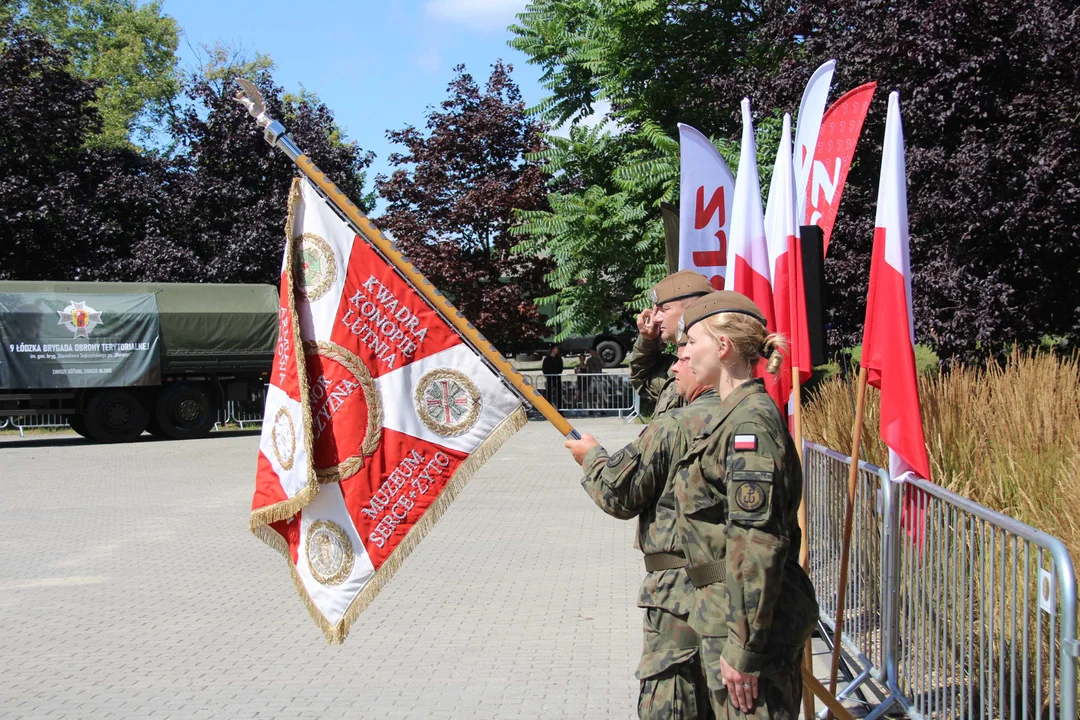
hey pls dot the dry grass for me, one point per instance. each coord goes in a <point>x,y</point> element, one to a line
<point>1006,436</point>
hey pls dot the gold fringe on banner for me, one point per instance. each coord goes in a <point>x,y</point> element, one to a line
<point>287,508</point>
<point>337,633</point>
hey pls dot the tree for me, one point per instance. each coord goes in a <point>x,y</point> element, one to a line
<point>450,204</point>
<point>990,101</point>
<point>69,211</point>
<point>227,189</point>
<point>128,48</point>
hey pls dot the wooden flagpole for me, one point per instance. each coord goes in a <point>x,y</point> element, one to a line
<point>849,513</point>
<point>804,557</point>
<point>276,134</point>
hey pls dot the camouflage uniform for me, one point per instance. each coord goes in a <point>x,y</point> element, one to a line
<point>637,481</point>
<point>737,492</point>
<point>651,378</point>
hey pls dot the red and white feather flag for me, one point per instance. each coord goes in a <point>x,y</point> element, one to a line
<point>785,261</point>
<point>706,187</point>
<point>749,269</point>
<point>377,415</point>
<point>811,111</point>
<point>888,351</point>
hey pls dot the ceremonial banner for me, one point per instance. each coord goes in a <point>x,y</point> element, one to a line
<point>811,110</point>
<point>888,351</point>
<point>705,193</point>
<point>785,260</point>
<point>836,143</point>
<point>374,427</point>
<point>749,271</point>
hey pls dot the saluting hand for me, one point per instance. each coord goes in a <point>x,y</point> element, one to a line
<point>741,687</point>
<point>578,448</point>
<point>645,325</point>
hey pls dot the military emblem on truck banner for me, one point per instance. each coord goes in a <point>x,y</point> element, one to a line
<point>316,264</point>
<point>79,318</point>
<point>447,402</point>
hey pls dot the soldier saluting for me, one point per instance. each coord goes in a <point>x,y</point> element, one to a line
<point>637,481</point>
<point>658,325</point>
<point>737,492</point>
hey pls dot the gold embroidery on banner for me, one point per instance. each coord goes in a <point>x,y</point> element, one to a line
<point>284,432</point>
<point>288,508</point>
<point>447,402</point>
<point>315,256</point>
<point>352,464</point>
<point>330,552</point>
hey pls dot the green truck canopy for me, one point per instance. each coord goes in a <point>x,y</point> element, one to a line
<point>196,319</point>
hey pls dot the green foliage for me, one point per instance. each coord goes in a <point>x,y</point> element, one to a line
<point>127,48</point>
<point>604,230</point>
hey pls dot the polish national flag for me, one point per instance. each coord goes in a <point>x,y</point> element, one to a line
<point>785,262</point>
<point>749,270</point>
<point>889,336</point>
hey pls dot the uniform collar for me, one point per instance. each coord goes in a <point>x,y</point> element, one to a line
<point>728,404</point>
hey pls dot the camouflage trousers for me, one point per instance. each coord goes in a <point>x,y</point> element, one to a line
<point>780,686</point>
<point>672,682</point>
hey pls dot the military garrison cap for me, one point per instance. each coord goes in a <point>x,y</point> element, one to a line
<point>683,284</point>
<point>721,301</point>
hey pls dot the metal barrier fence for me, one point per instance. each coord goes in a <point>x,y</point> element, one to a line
<point>584,392</point>
<point>29,422</point>
<point>825,475</point>
<point>956,611</point>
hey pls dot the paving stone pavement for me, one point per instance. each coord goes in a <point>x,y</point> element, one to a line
<point>131,588</point>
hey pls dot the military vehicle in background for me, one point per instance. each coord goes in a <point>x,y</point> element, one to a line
<point>117,359</point>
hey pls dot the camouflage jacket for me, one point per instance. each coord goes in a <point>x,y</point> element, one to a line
<point>651,378</point>
<point>737,495</point>
<point>638,481</point>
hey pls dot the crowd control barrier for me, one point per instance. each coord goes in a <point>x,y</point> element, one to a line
<point>953,610</point>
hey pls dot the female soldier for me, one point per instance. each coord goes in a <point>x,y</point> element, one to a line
<point>737,495</point>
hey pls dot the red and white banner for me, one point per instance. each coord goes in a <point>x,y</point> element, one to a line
<point>888,351</point>
<point>785,259</point>
<point>836,143</point>
<point>749,269</point>
<point>705,193</point>
<point>811,110</point>
<point>373,428</point>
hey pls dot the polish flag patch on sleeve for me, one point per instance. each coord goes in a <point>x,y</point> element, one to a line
<point>746,442</point>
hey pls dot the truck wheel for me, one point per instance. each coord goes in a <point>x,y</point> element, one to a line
<point>184,411</point>
<point>610,352</point>
<point>114,416</point>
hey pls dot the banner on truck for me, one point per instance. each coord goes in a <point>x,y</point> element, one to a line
<point>53,340</point>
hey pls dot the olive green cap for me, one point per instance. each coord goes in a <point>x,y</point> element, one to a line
<point>683,284</point>
<point>721,301</point>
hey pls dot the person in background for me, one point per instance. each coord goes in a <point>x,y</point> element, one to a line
<point>553,369</point>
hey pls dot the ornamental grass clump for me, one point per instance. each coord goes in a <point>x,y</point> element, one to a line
<point>1006,435</point>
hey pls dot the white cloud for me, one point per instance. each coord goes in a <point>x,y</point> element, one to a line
<point>480,14</point>
<point>599,116</point>
<point>430,60</point>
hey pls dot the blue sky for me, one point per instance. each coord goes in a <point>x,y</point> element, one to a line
<point>377,65</point>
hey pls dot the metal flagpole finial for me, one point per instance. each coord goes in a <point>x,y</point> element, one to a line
<point>250,97</point>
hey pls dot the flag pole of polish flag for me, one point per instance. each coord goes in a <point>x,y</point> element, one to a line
<point>840,130</point>
<point>749,271</point>
<point>706,189</point>
<point>377,415</point>
<point>888,352</point>
<point>811,112</point>
<point>785,262</point>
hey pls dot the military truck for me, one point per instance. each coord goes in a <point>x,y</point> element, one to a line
<point>118,359</point>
